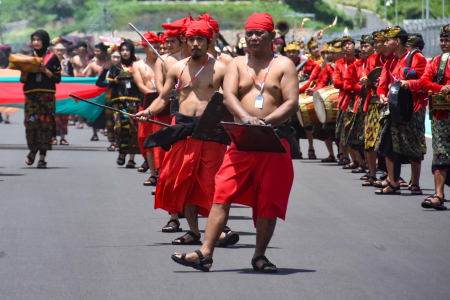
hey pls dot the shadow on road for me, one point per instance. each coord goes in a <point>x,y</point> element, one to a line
<point>2,174</point>
<point>48,168</point>
<point>281,271</point>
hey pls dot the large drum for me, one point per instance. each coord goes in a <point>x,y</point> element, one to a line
<point>325,104</point>
<point>306,115</point>
<point>24,63</point>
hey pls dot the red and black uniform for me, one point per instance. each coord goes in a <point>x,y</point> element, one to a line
<point>325,77</point>
<point>403,142</point>
<point>340,68</point>
<point>312,69</point>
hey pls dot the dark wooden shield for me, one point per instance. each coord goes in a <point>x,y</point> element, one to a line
<point>260,138</point>
<point>401,104</point>
<point>209,128</point>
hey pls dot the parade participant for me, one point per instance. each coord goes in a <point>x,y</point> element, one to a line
<point>327,132</point>
<point>39,89</point>
<point>144,76</point>
<point>278,45</point>
<point>438,82</point>
<point>125,96</point>
<point>314,50</point>
<point>186,182</point>
<point>352,86</point>
<point>115,58</point>
<point>407,141</point>
<point>415,41</point>
<point>162,45</point>
<point>307,73</point>
<point>373,109</point>
<point>261,180</point>
<point>344,116</point>
<point>61,120</point>
<point>79,63</point>
<point>224,58</point>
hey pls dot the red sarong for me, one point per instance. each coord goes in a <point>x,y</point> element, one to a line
<point>159,152</point>
<point>187,176</point>
<point>261,180</point>
<point>144,130</point>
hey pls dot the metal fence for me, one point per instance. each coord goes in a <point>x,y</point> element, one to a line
<point>429,29</point>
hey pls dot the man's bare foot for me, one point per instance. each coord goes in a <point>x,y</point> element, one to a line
<point>196,260</point>
<point>262,264</point>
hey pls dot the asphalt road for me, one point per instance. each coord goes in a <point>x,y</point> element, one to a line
<point>86,229</point>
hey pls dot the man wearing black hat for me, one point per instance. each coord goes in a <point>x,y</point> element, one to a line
<point>401,141</point>
<point>436,82</point>
<point>415,42</point>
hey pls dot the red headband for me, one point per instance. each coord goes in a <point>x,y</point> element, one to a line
<point>162,38</point>
<point>151,37</point>
<point>210,20</point>
<point>199,28</point>
<point>260,21</point>
<point>177,28</point>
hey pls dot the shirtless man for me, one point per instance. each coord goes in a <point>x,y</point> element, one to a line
<point>80,61</point>
<point>144,77</point>
<point>242,171</point>
<point>224,58</point>
<point>187,185</point>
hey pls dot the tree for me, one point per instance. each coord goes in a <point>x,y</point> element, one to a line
<point>360,19</point>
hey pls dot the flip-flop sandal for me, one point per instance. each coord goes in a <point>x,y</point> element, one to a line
<point>231,238</point>
<point>329,159</point>
<point>416,191</point>
<point>131,164</point>
<point>200,266</point>
<point>30,161</point>
<point>171,227</point>
<point>368,182</point>
<point>151,182</point>
<point>42,164</point>
<point>312,154</point>
<point>121,159</point>
<point>264,265</point>
<point>63,142</point>
<point>196,240</point>
<point>393,192</point>
<point>144,167</point>
<point>427,203</point>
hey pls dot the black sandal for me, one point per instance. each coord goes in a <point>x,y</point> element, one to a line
<point>121,159</point>
<point>151,181</point>
<point>144,167</point>
<point>380,184</point>
<point>339,156</point>
<point>196,240</point>
<point>393,192</point>
<point>384,176</point>
<point>403,183</point>
<point>365,177</point>
<point>131,164</point>
<point>63,142</point>
<point>30,161</point>
<point>94,138</point>
<point>111,148</point>
<point>427,203</point>
<point>42,164</point>
<point>344,161</point>
<point>172,228</point>
<point>200,266</point>
<point>312,154</point>
<point>350,166</point>
<point>329,159</point>
<point>416,191</point>
<point>359,169</point>
<point>231,238</point>
<point>368,182</point>
<point>264,266</point>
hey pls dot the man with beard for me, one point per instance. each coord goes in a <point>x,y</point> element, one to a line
<point>405,142</point>
<point>186,183</point>
<point>439,82</point>
<point>262,180</point>
<point>144,77</point>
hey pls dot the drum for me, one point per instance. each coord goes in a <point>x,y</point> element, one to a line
<point>441,101</point>
<point>306,115</point>
<point>24,63</point>
<point>325,104</point>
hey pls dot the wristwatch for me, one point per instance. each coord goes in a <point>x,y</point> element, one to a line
<point>149,112</point>
<point>264,120</point>
<point>246,122</point>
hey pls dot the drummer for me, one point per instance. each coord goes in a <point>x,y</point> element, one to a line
<point>440,123</point>
<point>314,51</point>
<point>406,141</point>
<point>308,70</point>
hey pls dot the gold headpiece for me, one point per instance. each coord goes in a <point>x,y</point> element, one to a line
<point>292,47</point>
<point>324,48</point>
<point>366,39</point>
<point>394,32</point>
<point>335,47</point>
<point>347,38</point>
<point>445,31</point>
<point>312,43</point>
<point>378,35</point>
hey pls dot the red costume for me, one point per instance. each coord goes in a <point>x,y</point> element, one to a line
<point>393,71</point>
<point>261,180</point>
<point>325,77</point>
<point>351,83</point>
<point>338,77</point>
<point>312,69</point>
<point>189,167</point>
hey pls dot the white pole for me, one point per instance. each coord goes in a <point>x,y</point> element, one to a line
<point>443,9</point>
<point>396,16</point>
<point>428,10</point>
<point>385,12</point>
<point>423,16</point>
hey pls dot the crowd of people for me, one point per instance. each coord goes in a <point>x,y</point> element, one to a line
<point>163,97</point>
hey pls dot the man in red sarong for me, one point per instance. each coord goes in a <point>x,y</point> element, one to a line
<point>261,180</point>
<point>404,142</point>
<point>186,183</point>
<point>144,76</point>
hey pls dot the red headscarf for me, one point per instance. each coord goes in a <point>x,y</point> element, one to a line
<point>260,21</point>
<point>199,28</point>
<point>162,38</point>
<point>151,37</point>
<point>177,28</point>
<point>210,20</point>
